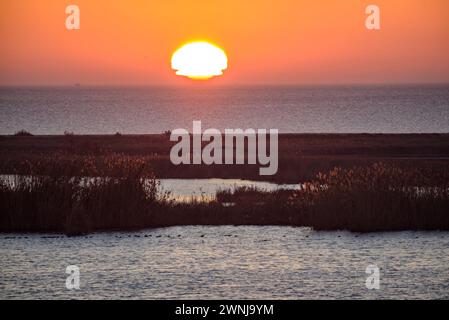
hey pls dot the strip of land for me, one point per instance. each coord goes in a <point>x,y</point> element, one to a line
<point>301,156</point>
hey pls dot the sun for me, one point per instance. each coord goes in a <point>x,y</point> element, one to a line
<point>199,60</point>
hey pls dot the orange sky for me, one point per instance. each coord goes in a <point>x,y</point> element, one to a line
<point>272,42</point>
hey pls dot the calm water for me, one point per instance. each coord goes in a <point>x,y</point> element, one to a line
<point>185,190</point>
<point>182,190</point>
<point>395,109</point>
<point>227,262</point>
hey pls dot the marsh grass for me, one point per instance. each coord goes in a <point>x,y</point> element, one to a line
<point>81,194</point>
<point>118,192</point>
<point>376,198</point>
<point>363,199</point>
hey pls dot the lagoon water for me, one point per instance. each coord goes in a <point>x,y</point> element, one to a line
<point>296,109</point>
<point>185,190</point>
<point>227,262</point>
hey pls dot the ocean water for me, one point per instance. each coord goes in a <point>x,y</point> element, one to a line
<point>306,109</point>
<point>226,262</point>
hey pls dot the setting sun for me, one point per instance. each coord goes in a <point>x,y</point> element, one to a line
<point>199,60</point>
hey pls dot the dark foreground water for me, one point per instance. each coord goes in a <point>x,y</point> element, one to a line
<point>325,109</point>
<point>226,262</point>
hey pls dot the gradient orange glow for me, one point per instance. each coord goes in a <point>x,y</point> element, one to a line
<point>270,42</point>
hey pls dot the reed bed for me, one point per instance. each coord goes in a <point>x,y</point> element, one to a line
<point>57,196</point>
<point>376,198</point>
<point>82,194</point>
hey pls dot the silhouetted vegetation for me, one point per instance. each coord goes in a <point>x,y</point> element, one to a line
<point>167,133</point>
<point>84,194</point>
<point>115,192</point>
<point>23,133</point>
<point>376,198</point>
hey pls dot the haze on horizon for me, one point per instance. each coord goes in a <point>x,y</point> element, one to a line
<point>281,42</point>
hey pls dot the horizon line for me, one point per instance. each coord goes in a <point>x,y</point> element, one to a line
<point>210,85</point>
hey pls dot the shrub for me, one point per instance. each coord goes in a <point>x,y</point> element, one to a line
<point>23,133</point>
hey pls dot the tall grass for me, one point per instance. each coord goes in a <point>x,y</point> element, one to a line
<point>363,199</point>
<point>120,192</point>
<point>83,194</point>
<point>376,198</point>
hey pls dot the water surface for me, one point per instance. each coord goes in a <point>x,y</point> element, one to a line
<point>185,190</point>
<point>193,262</point>
<point>319,109</point>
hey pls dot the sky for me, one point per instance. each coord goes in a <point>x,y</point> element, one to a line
<point>267,42</point>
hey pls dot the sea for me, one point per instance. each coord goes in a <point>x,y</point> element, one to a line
<point>290,109</point>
